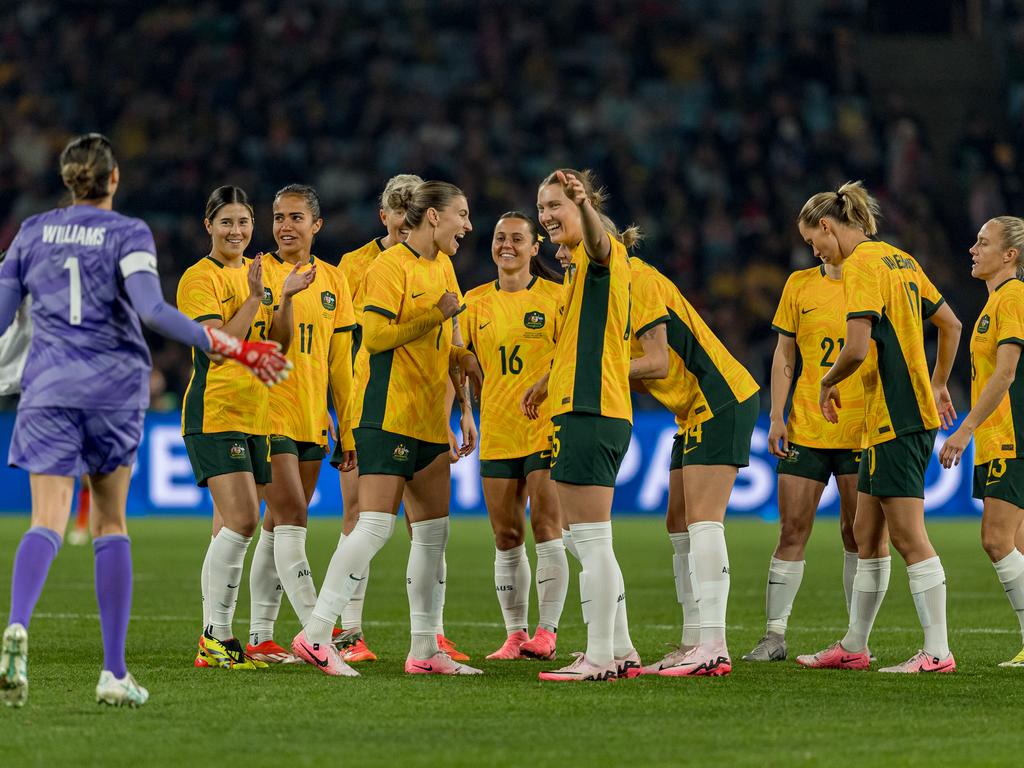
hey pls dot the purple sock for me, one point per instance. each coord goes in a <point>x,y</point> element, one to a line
<point>114,595</point>
<point>36,551</point>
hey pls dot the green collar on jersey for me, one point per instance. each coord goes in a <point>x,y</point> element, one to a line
<point>529,285</point>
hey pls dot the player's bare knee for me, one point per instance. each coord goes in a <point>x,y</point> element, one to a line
<point>545,530</point>
<point>995,542</point>
<point>794,534</point>
<point>508,538</point>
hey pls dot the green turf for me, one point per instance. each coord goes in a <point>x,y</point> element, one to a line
<point>775,714</point>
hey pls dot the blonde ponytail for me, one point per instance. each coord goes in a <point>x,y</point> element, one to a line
<point>1013,237</point>
<point>850,204</point>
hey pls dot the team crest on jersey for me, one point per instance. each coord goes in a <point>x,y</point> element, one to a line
<point>401,453</point>
<point>534,319</point>
<point>237,451</point>
<point>268,296</point>
<point>329,300</point>
<point>983,324</point>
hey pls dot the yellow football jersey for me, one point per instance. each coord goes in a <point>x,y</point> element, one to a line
<point>590,372</point>
<point>402,390</point>
<point>354,264</point>
<point>298,405</point>
<point>513,336</point>
<point>812,311</point>
<point>889,286</point>
<point>1001,435</point>
<point>222,398</point>
<point>702,377</point>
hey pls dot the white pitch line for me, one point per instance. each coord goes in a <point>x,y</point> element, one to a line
<point>494,625</point>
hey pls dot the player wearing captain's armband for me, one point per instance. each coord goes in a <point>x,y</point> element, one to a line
<point>591,410</point>
<point>400,425</point>
<point>680,361</point>
<point>92,276</point>
<point>997,407</point>
<point>321,354</point>
<point>224,417</point>
<point>811,323</point>
<point>511,324</point>
<point>888,297</point>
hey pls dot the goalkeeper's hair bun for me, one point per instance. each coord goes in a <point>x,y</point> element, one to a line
<point>86,165</point>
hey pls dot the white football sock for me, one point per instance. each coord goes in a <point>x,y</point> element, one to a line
<point>264,590</point>
<point>784,579</point>
<point>1011,575</point>
<point>293,569</point>
<point>227,556</point>
<point>204,585</point>
<point>351,558</point>
<point>849,571</point>
<point>552,582</point>
<point>928,588</point>
<point>622,644</point>
<point>710,563</point>
<point>681,570</point>
<point>599,588</point>
<point>426,564</point>
<point>869,587</point>
<point>570,545</point>
<point>440,591</point>
<point>352,616</point>
<point>512,584</point>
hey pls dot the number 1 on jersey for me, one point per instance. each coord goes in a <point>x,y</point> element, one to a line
<point>75,291</point>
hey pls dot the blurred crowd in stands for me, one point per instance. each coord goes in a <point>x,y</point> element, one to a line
<point>709,123</point>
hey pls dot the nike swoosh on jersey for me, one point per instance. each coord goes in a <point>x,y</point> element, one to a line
<point>484,325</point>
<point>229,298</point>
<point>417,295</point>
<point>805,311</point>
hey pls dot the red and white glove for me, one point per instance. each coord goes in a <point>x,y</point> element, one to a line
<point>263,358</point>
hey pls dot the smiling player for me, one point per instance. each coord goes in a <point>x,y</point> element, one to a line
<point>511,325</point>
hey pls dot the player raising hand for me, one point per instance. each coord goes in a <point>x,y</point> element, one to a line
<point>92,276</point>
<point>225,419</point>
<point>591,410</point>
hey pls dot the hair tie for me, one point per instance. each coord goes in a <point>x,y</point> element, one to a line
<point>839,194</point>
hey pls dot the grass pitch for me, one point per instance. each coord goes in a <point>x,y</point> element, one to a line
<point>765,714</point>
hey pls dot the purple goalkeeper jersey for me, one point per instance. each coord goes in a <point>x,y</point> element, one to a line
<point>87,345</point>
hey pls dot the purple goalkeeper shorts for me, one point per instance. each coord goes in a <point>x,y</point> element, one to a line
<point>72,442</point>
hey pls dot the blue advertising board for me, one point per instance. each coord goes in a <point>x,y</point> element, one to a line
<point>162,481</point>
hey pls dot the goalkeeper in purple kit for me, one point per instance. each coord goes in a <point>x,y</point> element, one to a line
<point>91,273</point>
